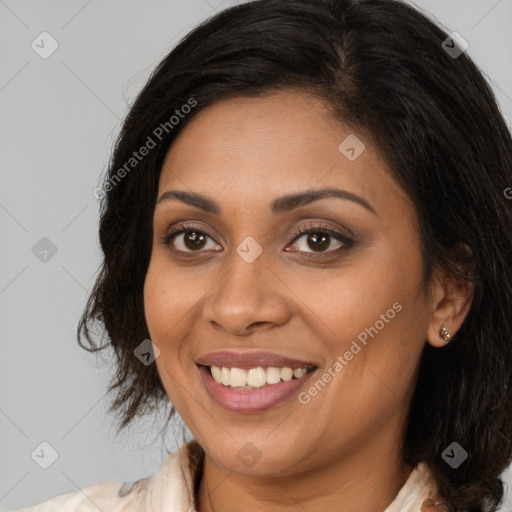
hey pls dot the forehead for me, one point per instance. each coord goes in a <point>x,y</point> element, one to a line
<point>244,149</point>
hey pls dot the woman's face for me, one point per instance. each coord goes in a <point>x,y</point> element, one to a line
<point>240,289</point>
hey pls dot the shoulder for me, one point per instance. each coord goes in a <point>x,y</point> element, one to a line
<point>172,483</point>
<point>101,496</point>
<point>418,494</point>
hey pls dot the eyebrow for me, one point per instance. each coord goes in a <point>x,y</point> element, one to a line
<point>278,205</point>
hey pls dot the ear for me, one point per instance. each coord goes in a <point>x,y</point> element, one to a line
<point>451,299</point>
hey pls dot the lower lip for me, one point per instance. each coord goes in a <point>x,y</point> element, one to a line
<point>251,400</point>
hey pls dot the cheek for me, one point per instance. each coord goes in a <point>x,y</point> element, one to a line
<point>163,309</point>
<point>170,301</point>
<point>392,326</point>
<point>375,312</point>
<point>154,301</point>
<point>165,299</point>
<point>344,302</point>
<point>164,305</point>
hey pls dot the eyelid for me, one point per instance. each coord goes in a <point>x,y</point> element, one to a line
<point>321,227</point>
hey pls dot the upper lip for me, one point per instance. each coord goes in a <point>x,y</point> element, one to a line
<point>247,360</point>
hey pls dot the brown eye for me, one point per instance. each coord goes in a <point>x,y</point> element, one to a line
<point>190,240</point>
<point>193,240</point>
<point>320,239</point>
<point>317,242</point>
<point>310,240</point>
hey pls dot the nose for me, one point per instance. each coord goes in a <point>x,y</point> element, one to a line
<point>248,297</point>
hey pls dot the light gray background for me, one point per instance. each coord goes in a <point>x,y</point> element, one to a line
<point>59,117</point>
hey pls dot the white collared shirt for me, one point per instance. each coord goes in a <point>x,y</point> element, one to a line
<point>171,489</point>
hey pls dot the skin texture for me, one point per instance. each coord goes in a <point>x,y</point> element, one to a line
<point>243,153</point>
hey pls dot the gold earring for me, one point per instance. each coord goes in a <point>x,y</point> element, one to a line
<point>444,333</point>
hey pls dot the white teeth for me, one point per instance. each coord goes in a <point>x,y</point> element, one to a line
<point>255,377</point>
<point>273,375</point>
<point>299,372</point>
<point>216,374</point>
<point>286,373</point>
<point>237,377</point>
<point>225,376</point>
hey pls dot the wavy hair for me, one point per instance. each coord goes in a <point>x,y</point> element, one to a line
<point>382,67</point>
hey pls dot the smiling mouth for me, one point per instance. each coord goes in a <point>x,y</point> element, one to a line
<point>255,378</point>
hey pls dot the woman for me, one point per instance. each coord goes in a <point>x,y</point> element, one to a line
<point>306,213</point>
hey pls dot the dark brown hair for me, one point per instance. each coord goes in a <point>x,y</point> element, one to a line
<point>382,67</point>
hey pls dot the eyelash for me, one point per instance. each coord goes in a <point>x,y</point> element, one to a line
<point>297,233</point>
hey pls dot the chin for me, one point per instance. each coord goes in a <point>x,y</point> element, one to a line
<point>259,457</point>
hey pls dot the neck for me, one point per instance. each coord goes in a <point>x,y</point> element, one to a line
<point>345,480</point>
